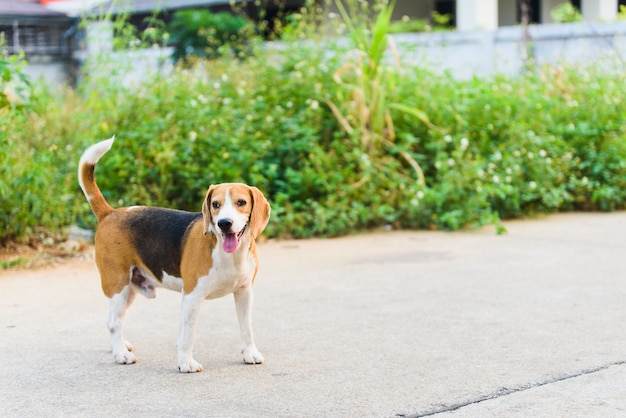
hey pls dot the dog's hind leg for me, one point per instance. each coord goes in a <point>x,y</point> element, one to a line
<point>117,313</point>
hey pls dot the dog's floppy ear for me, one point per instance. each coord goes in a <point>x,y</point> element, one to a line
<point>260,215</point>
<point>207,218</point>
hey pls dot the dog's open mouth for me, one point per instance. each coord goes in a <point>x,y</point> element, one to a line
<point>231,240</point>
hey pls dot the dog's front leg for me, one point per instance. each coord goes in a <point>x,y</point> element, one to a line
<point>188,317</point>
<point>243,301</point>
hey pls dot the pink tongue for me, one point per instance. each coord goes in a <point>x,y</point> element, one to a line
<point>230,242</point>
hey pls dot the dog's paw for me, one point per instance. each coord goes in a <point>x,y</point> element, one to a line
<point>190,366</point>
<point>252,356</point>
<point>125,357</point>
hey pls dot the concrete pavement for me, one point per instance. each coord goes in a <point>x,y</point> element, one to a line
<point>532,323</point>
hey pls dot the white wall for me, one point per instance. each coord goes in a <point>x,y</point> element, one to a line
<point>594,10</point>
<point>485,53</point>
<point>50,70</point>
<point>464,54</point>
<point>127,67</point>
<point>476,14</point>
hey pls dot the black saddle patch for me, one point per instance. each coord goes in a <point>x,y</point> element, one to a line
<point>158,235</point>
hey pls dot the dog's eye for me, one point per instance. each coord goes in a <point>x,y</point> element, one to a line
<point>241,202</point>
<point>215,204</point>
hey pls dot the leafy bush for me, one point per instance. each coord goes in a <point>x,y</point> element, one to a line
<point>203,34</point>
<point>339,142</point>
<point>566,13</point>
<point>17,181</point>
<point>407,24</point>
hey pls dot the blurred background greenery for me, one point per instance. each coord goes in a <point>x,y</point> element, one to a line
<point>339,138</point>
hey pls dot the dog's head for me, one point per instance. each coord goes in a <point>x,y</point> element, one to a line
<point>232,210</point>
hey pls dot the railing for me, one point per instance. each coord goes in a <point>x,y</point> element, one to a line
<point>32,39</point>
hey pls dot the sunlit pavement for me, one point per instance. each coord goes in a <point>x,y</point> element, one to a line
<point>411,323</point>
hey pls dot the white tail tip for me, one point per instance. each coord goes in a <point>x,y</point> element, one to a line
<point>94,152</point>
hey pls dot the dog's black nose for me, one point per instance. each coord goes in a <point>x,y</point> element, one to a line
<point>225,225</point>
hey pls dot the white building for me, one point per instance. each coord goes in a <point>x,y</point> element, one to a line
<point>491,14</point>
<point>488,38</point>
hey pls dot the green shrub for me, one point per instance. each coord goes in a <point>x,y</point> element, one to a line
<point>407,24</point>
<point>520,146</point>
<point>203,34</point>
<point>566,13</point>
<point>20,211</point>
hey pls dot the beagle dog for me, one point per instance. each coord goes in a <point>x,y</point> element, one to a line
<point>204,255</point>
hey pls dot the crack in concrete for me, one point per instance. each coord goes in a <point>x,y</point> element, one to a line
<point>509,391</point>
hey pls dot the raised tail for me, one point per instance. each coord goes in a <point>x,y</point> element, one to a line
<point>87,180</point>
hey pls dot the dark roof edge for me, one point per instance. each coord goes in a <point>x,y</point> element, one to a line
<point>143,6</point>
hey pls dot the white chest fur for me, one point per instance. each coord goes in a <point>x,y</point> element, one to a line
<point>228,273</point>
